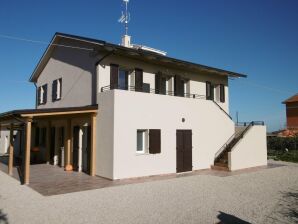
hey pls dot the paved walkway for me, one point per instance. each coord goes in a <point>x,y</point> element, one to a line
<point>263,196</point>
<point>52,180</point>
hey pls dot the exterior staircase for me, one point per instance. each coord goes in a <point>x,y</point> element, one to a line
<point>221,161</point>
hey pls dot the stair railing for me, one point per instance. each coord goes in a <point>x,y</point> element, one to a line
<point>233,140</point>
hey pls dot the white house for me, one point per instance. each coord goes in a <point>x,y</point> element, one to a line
<point>124,111</point>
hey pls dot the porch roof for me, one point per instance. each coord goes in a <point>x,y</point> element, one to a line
<point>19,115</point>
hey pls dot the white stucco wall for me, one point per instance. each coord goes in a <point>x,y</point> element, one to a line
<point>4,137</point>
<point>105,135</point>
<point>133,110</point>
<point>251,151</point>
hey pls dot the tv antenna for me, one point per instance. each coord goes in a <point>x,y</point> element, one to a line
<point>125,17</point>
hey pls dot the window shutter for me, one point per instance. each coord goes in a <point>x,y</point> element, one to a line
<point>54,90</point>
<point>154,141</point>
<point>177,84</point>
<point>38,95</point>
<point>138,80</point>
<point>126,80</point>
<point>158,83</point>
<point>114,70</point>
<point>45,93</point>
<point>222,93</point>
<point>208,90</point>
<point>60,80</point>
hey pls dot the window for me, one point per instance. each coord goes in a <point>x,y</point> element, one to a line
<point>42,93</point>
<point>141,141</point>
<point>123,79</point>
<point>56,89</point>
<point>148,141</point>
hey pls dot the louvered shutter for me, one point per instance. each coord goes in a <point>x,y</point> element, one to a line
<point>54,90</point>
<point>60,80</point>
<point>45,93</point>
<point>154,141</point>
<point>158,82</point>
<point>114,70</point>
<point>138,80</point>
<point>222,93</point>
<point>208,90</point>
<point>38,95</point>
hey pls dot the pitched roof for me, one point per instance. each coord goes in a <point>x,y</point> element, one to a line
<point>128,52</point>
<point>292,99</point>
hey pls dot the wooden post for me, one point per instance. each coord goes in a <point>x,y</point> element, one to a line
<point>67,143</point>
<point>48,142</point>
<point>10,161</point>
<point>93,144</point>
<point>27,151</point>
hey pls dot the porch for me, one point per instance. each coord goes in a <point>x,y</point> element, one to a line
<point>64,137</point>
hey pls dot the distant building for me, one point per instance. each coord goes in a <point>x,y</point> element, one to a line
<point>292,112</point>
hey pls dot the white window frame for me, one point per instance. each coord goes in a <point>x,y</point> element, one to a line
<point>41,95</point>
<point>58,89</point>
<point>145,138</point>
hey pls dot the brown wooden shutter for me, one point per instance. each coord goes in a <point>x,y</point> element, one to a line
<point>114,70</point>
<point>177,85</point>
<point>154,141</point>
<point>208,90</point>
<point>45,93</point>
<point>54,90</point>
<point>60,80</point>
<point>38,95</point>
<point>138,80</point>
<point>158,82</point>
<point>222,93</point>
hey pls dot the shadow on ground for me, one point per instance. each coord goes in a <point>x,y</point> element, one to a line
<point>230,219</point>
<point>3,217</point>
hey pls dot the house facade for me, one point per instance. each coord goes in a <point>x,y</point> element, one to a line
<point>123,112</point>
<point>292,112</point>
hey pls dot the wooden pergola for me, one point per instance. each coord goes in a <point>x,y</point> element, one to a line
<point>17,118</point>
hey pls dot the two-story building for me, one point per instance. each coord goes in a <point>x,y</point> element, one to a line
<point>123,111</point>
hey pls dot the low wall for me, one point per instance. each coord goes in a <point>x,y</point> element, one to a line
<point>250,151</point>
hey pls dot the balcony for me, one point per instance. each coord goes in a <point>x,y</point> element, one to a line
<point>146,89</point>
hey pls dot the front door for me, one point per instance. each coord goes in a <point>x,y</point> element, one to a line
<point>184,150</point>
<point>75,155</point>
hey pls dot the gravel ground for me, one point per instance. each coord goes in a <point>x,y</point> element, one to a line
<point>266,196</point>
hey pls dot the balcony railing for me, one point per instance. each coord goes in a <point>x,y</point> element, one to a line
<point>161,92</point>
<point>150,90</point>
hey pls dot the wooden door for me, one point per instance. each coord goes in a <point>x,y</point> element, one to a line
<point>88,149</point>
<point>75,151</point>
<point>184,150</point>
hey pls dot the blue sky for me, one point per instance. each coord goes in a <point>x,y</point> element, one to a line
<point>257,38</point>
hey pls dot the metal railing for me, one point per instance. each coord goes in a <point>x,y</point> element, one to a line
<point>150,90</point>
<point>235,138</point>
<point>161,92</point>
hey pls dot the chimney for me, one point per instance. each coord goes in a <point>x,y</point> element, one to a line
<point>126,41</point>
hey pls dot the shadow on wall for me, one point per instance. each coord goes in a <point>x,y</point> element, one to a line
<point>230,219</point>
<point>3,218</point>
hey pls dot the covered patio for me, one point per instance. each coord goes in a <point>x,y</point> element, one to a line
<point>57,136</point>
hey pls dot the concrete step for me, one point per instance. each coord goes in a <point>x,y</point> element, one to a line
<point>220,166</point>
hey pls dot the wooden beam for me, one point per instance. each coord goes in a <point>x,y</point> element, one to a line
<point>27,151</point>
<point>57,113</point>
<point>10,161</point>
<point>67,143</point>
<point>93,144</point>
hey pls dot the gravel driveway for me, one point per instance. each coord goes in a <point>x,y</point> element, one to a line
<point>266,196</point>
